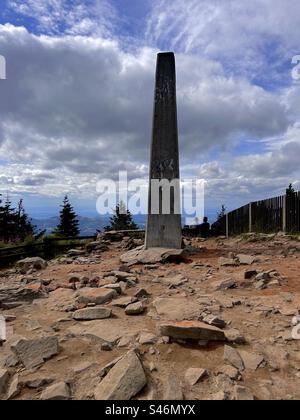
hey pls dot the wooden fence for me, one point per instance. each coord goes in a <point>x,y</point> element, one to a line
<point>266,216</point>
<point>48,248</point>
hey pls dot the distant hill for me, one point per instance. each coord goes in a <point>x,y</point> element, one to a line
<point>88,225</point>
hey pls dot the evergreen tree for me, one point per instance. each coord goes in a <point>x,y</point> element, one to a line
<point>122,219</point>
<point>222,213</point>
<point>7,218</point>
<point>290,192</point>
<point>24,227</point>
<point>69,224</point>
<point>14,224</point>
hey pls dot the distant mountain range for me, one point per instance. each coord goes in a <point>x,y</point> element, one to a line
<point>88,225</point>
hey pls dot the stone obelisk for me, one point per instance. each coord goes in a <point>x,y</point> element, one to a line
<point>163,225</point>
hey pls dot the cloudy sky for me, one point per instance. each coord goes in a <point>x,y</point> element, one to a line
<point>76,106</point>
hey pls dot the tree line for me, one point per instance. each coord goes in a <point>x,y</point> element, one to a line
<point>17,226</point>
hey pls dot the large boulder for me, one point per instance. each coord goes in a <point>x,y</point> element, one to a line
<point>141,255</point>
<point>96,296</point>
<point>33,353</point>
<point>35,263</point>
<point>90,314</point>
<point>4,377</point>
<point>191,330</point>
<point>11,296</point>
<point>125,380</point>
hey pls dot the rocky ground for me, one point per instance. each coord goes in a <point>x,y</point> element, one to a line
<point>217,325</point>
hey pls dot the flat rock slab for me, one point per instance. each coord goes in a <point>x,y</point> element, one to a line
<point>96,296</point>
<point>233,357</point>
<point>125,380</point>
<point>90,314</point>
<point>227,262</point>
<point>123,301</point>
<point>33,353</point>
<point>107,330</point>
<point>251,361</point>
<point>175,281</point>
<point>23,294</point>
<point>191,330</point>
<point>177,308</point>
<point>55,392</point>
<point>246,259</point>
<point>153,256</point>
<point>172,389</point>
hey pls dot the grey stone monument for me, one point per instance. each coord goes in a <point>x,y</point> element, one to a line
<point>164,214</point>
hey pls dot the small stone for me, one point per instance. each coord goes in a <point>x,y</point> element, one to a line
<point>229,371</point>
<point>135,309</point>
<point>55,392</point>
<point>233,357</point>
<point>225,285</point>
<point>141,293</point>
<point>245,259</point>
<point>115,287</point>
<point>219,396</point>
<point>90,314</point>
<point>195,375</point>
<point>234,336</point>
<point>106,347</point>
<point>38,382</point>
<point>260,285</point>
<point>263,277</point>
<point>123,301</point>
<point>242,394</point>
<point>250,274</point>
<point>227,262</point>
<point>215,321</point>
<point>147,338</point>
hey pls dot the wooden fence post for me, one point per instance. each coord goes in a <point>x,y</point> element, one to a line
<point>284,214</point>
<point>227,226</point>
<point>250,217</point>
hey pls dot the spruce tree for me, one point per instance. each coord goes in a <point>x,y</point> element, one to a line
<point>290,192</point>
<point>8,221</point>
<point>122,219</point>
<point>69,224</point>
<point>24,227</point>
<point>222,213</point>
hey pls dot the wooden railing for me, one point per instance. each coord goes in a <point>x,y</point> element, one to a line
<point>265,216</point>
<point>47,248</point>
